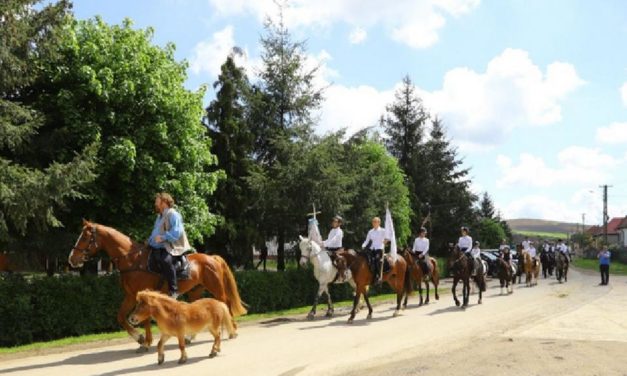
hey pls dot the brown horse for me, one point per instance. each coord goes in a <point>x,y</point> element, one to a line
<point>461,268</point>
<point>397,278</point>
<point>419,277</point>
<point>561,269</point>
<point>130,258</point>
<point>176,319</point>
<point>532,270</point>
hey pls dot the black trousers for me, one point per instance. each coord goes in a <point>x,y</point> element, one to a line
<point>605,274</point>
<point>167,268</point>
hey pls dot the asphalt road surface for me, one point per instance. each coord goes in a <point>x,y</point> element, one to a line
<point>576,328</point>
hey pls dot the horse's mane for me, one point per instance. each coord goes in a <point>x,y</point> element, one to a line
<point>153,295</point>
<point>118,235</point>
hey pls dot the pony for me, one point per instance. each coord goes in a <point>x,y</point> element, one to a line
<point>419,277</point>
<point>532,272</point>
<point>561,271</point>
<point>548,263</point>
<point>461,269</point>
<point>176,319</point>
<point>325,272</point>
<point>397,277</point>
<point>507,275</point>
<point>131,259</point>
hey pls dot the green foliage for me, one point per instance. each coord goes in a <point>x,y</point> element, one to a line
<point>490,233</point>
<point>31,193</point>
<point>114,85</point>
<point>486,207</point>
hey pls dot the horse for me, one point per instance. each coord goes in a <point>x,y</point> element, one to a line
<point>507,276</point>
<point>548,263</point>
<point>176,319</point>
<point>419,277</point>
<point>461,268</point>
<point>520,268</point>
<point>532,272</point>
<point>324,271</point>
<point>131,258</point>
<point>397,277</point>
<point>561,271</point>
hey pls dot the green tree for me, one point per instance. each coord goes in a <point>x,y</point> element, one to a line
<point>490,233</point>
<point>113,83</point>
<point>404,123</point>
<point>486,207</point>
<point>227,120</point>
<point>282,105</point>
<point>32,193</point>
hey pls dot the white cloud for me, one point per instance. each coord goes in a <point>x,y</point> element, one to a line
<point>513,92</point>
<point>357,35</point>
<point>623,93</point>
<point>208,56</point>
<point>576,165</point>
<point>415,23</point>
<point>615,133</point>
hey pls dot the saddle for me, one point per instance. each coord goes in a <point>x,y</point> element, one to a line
<point>424,265</point>
<point>181,265</point>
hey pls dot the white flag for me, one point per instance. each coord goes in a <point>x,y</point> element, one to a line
<point>314,232</point>
<point>389,233</point>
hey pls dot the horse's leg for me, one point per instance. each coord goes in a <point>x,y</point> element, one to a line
<point>400,291</point>
<point>367,299</point>
<point>466,291</point>
<point>160,353</point>
<point>427,287</point>
<point>455,282</point>
<point>419,282</point>
<point>183,358</point>
<point>216,333</point>
<point>436,281</point>
<point>312,313</point>
<point>355,303</point>
<point>330,309</point>
<point>125,309</point>
<point>480,288</point>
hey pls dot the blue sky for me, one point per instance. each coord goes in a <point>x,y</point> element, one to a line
<point>534,92</point>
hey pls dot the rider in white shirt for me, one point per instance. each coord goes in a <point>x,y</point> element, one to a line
<point>562,248</point>
<point>465,241</point>
<point>475,253</point>
<point>375,240</point>
<point>421,249</point>
<point>334,240</point>
<point>526,243</point>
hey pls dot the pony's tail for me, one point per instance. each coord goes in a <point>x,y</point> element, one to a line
<point>227,321</point>
<point>230,286</point>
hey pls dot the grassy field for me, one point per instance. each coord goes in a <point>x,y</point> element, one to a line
<point>38,346</point>
<point>542,234</point>
<point>615,267</point>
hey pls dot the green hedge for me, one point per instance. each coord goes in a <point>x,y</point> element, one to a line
<point>46,308</point>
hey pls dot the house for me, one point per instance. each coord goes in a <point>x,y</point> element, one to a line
<point>622,233</point>
<point>613,232</point>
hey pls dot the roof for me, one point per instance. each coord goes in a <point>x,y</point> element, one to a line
<point>612,227</point>
<point>623,224</point>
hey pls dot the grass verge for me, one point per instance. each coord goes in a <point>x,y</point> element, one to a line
<point>591,264</point>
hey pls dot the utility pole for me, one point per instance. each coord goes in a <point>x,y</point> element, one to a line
<point>605,217</point>
<point>583,222</point>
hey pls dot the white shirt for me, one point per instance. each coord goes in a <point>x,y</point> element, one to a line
<point>546,247</point>
<point>335,238</point>
<point>525,244</point>
<point>377,236</point>
<point>503,246</point>
<point>421,245</point>
<point>475,252</point>
<point>562,248</point>
<point>532,251</point>
<point>465,242</point>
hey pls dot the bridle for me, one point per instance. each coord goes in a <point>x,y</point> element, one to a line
<point>93,242</point>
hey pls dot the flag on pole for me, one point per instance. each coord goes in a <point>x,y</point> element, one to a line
<point>389,233</point>
<point>314,232</point>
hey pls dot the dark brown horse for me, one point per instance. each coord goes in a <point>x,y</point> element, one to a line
<point>507,277</point>
<point>561,269</point>
<point>397,278</point>
<point>131,259</point>
<point>460,268</point>
<point>416,272</point>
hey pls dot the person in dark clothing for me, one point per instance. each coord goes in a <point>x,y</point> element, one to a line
<point>263,256</point>
<point>604,265</point>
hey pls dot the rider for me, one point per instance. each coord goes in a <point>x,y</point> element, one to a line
<point>561,247</point>
<point>465,243</point>
<point>376,242</point>
<point>334,244</point>
<point>421,249</point>
<point>475,253</point>
<point>168,238</point>
<point>532,252</point>
<point>526,243</point>
<point>504,252</point>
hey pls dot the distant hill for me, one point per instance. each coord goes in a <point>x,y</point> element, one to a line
<point>542,228</point>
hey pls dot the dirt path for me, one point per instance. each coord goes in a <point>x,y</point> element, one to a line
<point>575,328</point>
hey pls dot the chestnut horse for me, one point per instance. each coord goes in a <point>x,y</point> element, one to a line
<point>130,258</point>
<point>460,268</point>
<point>532,271</point>
<point>397,277</point>
<point>419,277</point>
<point>176,319</point>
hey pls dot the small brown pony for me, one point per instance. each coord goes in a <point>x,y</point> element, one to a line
<point>419,277</point>
<point>397,277</point>
<point>532,272</point>
<point>176,319</point>
<point>130,258</point>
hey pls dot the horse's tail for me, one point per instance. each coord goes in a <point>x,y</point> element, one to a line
<point>481,283</point>
<point>230,286</point>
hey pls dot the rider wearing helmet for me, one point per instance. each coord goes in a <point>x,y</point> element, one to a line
<point>421,249</point>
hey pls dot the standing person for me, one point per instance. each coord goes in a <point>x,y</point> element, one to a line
<point>168,238</point>
<point>421,249</point>
<point>263,256</point>
<point>604,265</point>
<point>374,243</point>
<point>334,240</point>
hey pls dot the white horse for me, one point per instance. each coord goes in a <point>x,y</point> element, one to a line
<point>324,271</point>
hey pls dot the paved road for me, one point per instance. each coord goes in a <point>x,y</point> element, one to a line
<point>575,328</point>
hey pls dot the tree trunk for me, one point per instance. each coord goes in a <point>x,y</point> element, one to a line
<point>280,258</point>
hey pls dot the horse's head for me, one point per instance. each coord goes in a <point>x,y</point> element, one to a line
<point>143,309</point>
<point>308,248</point>
<point>86,246</point>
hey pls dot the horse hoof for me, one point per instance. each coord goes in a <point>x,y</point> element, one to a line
<point>141,339</point>
<point>457,304</point>
<point>310,316</point>
<point>160,359</point>
<point>142,349</point>
<point>369,317</point>
<point>396,313</point>
<point>188,340</point>
<point>213,354</point>
<point>329,314</point>
<point>479,302</point>
<point>182,360</point>
<point>350,321</point>
<point>233,336</point>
